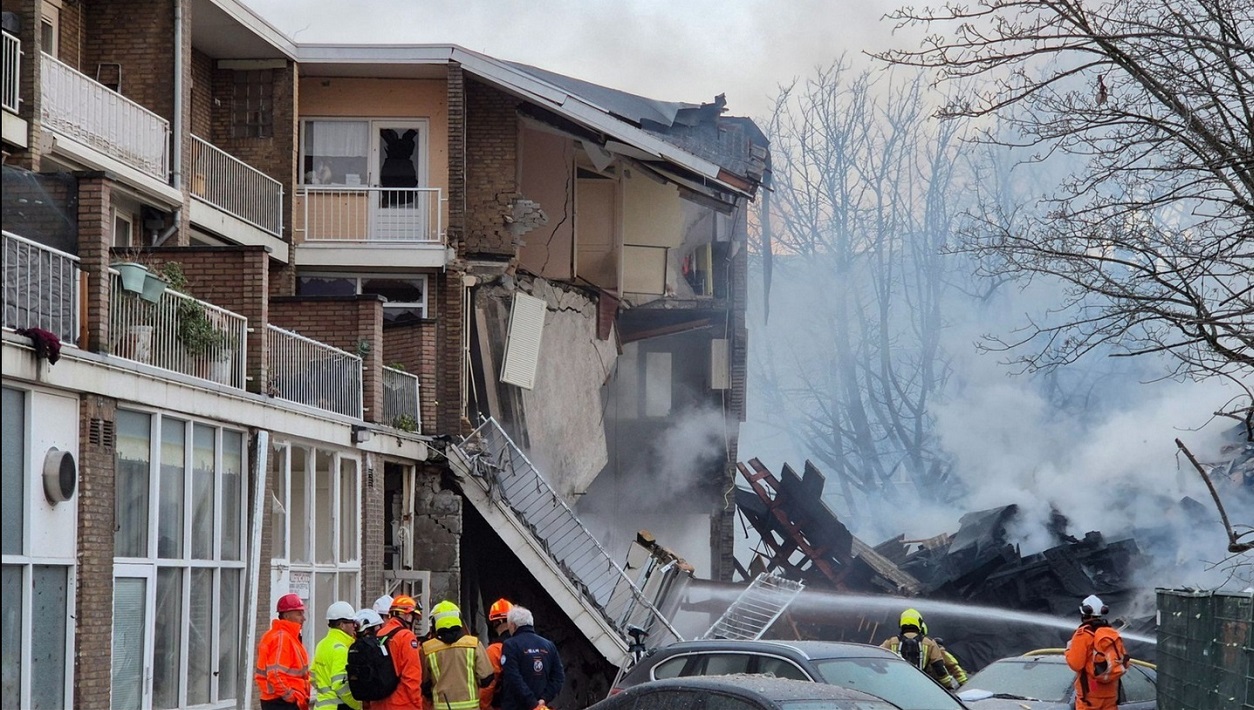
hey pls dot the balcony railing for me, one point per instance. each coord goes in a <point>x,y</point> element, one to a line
<point>331,213</point>
<point>400,400</point>
<point>12,67</point>
<point>41,287</point>
<point>313,373</point>
<point>87,111</point>
<point>179,333</point>
<point>233,186</point>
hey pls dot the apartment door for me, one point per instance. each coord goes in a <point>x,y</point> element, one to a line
<point>399,210</point>
<point>132,637</point>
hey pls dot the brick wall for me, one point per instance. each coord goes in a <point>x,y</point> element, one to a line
<point>371,528</point>
<point>95,236</point>
<point>450,357</point>
<point>456,156</point>
<point>139,35</point>
<point>28,83</point>
<point>93,618</point>
<point>491,169</point>
<point>414,347</point>
<point>234,278</point>
<point>70,36</point>
<point>341,322</point>
<point>202,96</point>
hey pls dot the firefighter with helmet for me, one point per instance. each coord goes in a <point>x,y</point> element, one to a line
<point>402,646</point>
<point>282,672</point>
<point>329,675</point>
<point>489,697</point>
<point>913,645</point>
<point>454,663</point>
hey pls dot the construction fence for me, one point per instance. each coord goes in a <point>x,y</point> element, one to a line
<point>1205,650</point>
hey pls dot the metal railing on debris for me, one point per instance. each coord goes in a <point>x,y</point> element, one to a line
<point>230,184</point>
<point>312,373</point>
<point>400,400</point>
<point>41,287</point>
<point>756,608</point>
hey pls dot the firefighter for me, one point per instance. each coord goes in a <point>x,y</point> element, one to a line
<point>328,676</point>
<point>1097,655</point>
<point>282,672</point>
<point>497,620</point>
<point>404,614</point>
<point>913,645</point>
<point>454,664</point>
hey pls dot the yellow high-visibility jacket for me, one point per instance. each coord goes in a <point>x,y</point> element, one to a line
<point>329,676</point>
<point>455,672</point>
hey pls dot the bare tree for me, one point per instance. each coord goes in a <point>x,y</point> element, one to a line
<point>861,207</point>
<point>1154,235</point>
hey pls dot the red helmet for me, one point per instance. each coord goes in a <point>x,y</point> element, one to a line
<point>500,609</point>
<point>290,602</point>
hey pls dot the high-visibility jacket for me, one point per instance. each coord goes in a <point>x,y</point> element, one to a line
<point>932,658</point>
<point>454,671</point>
<point>487,695</point>
<point>403,648</point>
<point>283,665</point>
<point>329,676</point>
<point>1089,695</point>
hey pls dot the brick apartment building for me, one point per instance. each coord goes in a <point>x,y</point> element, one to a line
<point>339,320</point>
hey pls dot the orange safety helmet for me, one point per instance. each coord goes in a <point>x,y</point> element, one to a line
<point>500,609</point>
<point>405,604</point>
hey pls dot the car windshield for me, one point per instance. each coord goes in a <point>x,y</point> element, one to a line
<point>1034,678</point>
<point>891,679</point>
<point>829,704</point>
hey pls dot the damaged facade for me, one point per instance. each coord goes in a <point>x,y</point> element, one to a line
<point>383,284</point>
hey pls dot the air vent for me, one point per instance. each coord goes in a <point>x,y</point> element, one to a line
<point>100,433</point>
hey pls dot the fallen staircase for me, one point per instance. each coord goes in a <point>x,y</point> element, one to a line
<point>757,607</point>
<point>535,521</point>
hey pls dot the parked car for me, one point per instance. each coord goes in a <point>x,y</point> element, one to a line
<point>869,669</point>
<point>1042,680</point>
<point>740,692</point>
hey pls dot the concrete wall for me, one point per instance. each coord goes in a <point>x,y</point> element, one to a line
<point>546,168</point>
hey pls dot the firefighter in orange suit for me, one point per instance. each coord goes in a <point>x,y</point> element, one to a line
<point>1093,688</point>
<point>496,618</point>
<point>403,648</point>
<point>282,673</point>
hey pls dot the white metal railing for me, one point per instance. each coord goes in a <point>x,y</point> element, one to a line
<point>313,373</point>
<point>178,333</point>
<point>230,184</point>
<point>41,287</point>
<point>400,400</point>
<point>369,214</point>
<point>12,72</point>
<point>79,107</point>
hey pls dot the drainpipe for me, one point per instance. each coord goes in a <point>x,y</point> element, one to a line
<point>176,126</point>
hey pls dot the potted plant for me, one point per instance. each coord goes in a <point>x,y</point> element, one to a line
<point>201,333</point>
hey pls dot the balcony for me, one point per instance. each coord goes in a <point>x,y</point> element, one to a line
<point>178,333</point>
<point>86,111</point>
<point>400,400</point>
<point>388,215</point>
<point>314,374</point>
<point>12,64</point>
<point>41,288</point>
<point>223,181</point>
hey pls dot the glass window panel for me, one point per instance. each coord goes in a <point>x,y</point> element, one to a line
<point>403,314</point>
<point>134,434</point>
<point>128,642</point>
<point>349,510</point>
<point>326,286</point>
<point>229,636</point>
<point>167,644</point>
<point>335,152</point>
<point>199,639</point>
<point>11,629</point>
<point>203,445</point>
<point>300,504</point>
<point>349,589</point>
<point>324,594</point>
<point>14,462</point>
<point>395,290</point>
<point>278,502</point>
<point>232,493</point>
<point>171,504</point>
<point>47,654</point>
<point>324,513</point>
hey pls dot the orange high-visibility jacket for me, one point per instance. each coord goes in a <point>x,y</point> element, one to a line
<point>403,648</point>
<point>487,694</point>
<point>283,664</point>
<point>1088,692</point>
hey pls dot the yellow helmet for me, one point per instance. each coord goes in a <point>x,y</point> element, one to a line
<point>446,615</point>
<point>912,617</point>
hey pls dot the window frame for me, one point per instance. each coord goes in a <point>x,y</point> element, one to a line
<point>359,276</point>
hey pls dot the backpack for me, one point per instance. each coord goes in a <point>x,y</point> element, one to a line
<point>1108,660</point>
<point>910,648</point>
<point>371,673</point>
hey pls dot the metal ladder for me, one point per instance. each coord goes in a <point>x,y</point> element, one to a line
<point>757,607</point>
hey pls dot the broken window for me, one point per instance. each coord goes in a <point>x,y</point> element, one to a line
<point>252,104</point>
<point>404,298</point>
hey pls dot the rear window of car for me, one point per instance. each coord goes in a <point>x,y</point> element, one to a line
<point>1038,679</point>
<point>891,679</point>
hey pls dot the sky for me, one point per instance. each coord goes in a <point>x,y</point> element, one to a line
<point>690,50</point>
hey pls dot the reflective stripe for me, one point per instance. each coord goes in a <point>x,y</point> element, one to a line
<point>472,688</point>
<point>327,703</point>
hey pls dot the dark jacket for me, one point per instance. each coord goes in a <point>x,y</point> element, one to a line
<point>531,670</point>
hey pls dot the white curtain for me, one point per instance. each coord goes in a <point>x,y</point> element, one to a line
<point>337,139</point>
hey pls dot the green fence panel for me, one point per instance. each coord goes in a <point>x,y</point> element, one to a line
<point>1205,650</point>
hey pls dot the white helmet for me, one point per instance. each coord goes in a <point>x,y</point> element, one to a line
<point>340,611</point>
<point>367,619</point>
<point>383,604</point>
<point>1093,606</point>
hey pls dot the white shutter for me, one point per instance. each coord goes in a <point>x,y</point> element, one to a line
<point>522,348</point>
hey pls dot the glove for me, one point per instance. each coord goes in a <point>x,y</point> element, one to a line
<point>953,684</point>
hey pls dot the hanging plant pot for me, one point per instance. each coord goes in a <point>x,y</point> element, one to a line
<point>133,275</point>
<point>154,286</point>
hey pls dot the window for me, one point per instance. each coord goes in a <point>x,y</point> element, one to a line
<point>335,152</point>
<point>405,296</point>
<point>780,668</point>
<point>1137,686</point>
<point>123,229</point>
<point>37,577</point>
<point>178,581</point>
<point>252,104</point>
<point>50,28</point>
<point>315,517</point>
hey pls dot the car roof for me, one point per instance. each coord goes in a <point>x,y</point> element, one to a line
<point>804,649</point>
<point>767,687</point>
